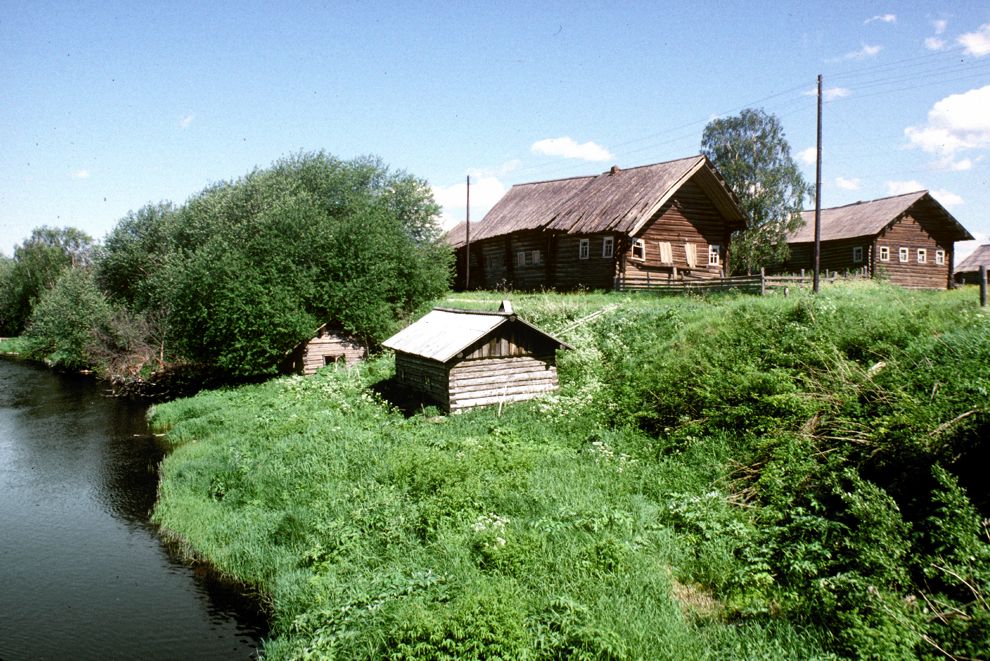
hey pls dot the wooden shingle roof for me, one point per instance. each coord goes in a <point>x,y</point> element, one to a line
<point>862,219</point>
<point>979,257</point>
<point>620,200</point>
<point>443,333</point>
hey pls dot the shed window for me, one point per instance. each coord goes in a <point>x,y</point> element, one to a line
<point>940,257</point>
<point>608,246</point>
<point>691,254</point>
<point>903,254</point>
<point>666,253</point>
<point>922,256</point>
<point>714,251</point>
<point>884,253</point>
<point>639,249</point>
<point>584,249</point>
<point>332,359</point>
<point>857,254</point>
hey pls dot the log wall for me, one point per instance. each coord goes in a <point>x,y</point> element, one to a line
<point>912,233</point>
<point>427,377</point>
<point>487,381</point>
<point>689,217</point>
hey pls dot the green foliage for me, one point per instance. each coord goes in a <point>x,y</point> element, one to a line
<point>63,322</point>
<point>247,269</point>
<point>752,154</point>
<point>727,477</point>
<point>38,262</point>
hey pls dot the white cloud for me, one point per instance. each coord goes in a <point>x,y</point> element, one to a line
<point>80,174</point>
<point>940,25</point>
<point>977,43</point>
<point>830,93</point>
<point>808,156</point>
<point>186,120</point>
<point>964,249</point>
<point>902,187</point>
<point>947,198</point>
<point>958,122</point>
<point>863,53</point>
<point>485,192</point>
<point>567,148</point>
<point>882,18</point>
<point>850,183</point>
<point>934,43</point>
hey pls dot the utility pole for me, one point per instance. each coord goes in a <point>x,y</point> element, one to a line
<point>818,190</point>
<point>467,238</point>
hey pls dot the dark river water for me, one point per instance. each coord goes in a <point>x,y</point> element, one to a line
<point>83,574</point>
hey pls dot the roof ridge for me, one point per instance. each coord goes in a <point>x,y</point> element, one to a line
<point>879,199</point>
<point>609,172</point>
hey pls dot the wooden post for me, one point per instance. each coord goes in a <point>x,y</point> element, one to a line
<point>983,285</point>
<point>467,238</point>
<point>818,190</point>
<point>763,281</point>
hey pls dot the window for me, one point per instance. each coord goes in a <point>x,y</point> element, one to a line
<point>584,249</point>
<point>528,258</point>
<point>922,256</point>
<point>691,255</point>
<point>608,246</point>
<point>884,253</point>
<point>940,257</point>
<point>493,262</point>
<point>902,254</point>
<point>714,251</point>
<point>666,253</point>
<point>639,249</point>
<point>332,360</point>
<point>857,254</point>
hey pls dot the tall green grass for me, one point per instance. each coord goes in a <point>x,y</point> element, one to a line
<point>720,477</point>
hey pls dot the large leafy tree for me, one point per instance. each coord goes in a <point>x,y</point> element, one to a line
<point>38,263</point>
<point>248,268</point>
<point>752,153</point>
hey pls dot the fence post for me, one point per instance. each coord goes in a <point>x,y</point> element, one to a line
<point>763,281</point>
<point>983,285</point>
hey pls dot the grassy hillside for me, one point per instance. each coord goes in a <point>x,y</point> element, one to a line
<point>732,477</point>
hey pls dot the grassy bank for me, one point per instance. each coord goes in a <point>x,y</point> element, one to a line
<point>730,477</point>
<point>14,346</point>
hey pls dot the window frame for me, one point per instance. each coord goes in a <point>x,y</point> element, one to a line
<point>940,257</point>
<point>857,254</point>
<point>922,255</point>
<point>714,254</point>
<point>584,248</point>
<point>666,248</point>
<point>903,255</point>
<point>608,246</point>
<point>641,245</point>
<point>884,253</point>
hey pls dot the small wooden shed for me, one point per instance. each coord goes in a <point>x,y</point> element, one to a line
<point>465,358</point>
<point>328,346</point>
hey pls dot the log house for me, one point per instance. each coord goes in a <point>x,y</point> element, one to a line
<point>908,239</point>
<point>669,219</point>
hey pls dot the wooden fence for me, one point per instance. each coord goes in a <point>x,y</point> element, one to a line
<point>753,284</point>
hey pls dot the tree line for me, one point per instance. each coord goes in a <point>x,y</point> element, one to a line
<point>236,276</point>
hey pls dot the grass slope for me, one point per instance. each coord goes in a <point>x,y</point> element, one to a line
<point>728,477</point>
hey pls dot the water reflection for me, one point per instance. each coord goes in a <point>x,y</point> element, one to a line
<point>82,571</point>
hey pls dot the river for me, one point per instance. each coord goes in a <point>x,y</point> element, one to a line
<point>83,573</point>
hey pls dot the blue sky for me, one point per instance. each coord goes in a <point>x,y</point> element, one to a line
<point>108,106</point>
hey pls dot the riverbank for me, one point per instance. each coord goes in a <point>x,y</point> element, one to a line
<point>723,477</point>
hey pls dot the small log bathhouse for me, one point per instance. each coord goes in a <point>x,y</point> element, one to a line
<point>464,358</point>
<point>968,271</point>
<point>668,220</point>
<point>908,239</point>
<point>328,346</point>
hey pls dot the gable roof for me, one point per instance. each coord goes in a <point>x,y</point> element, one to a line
<point>614,201</point>
<point>445,332</point>
<point>979,257</point>
<point>870,218</point>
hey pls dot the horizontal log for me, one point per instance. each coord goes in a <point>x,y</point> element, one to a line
<point>518,386</point>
